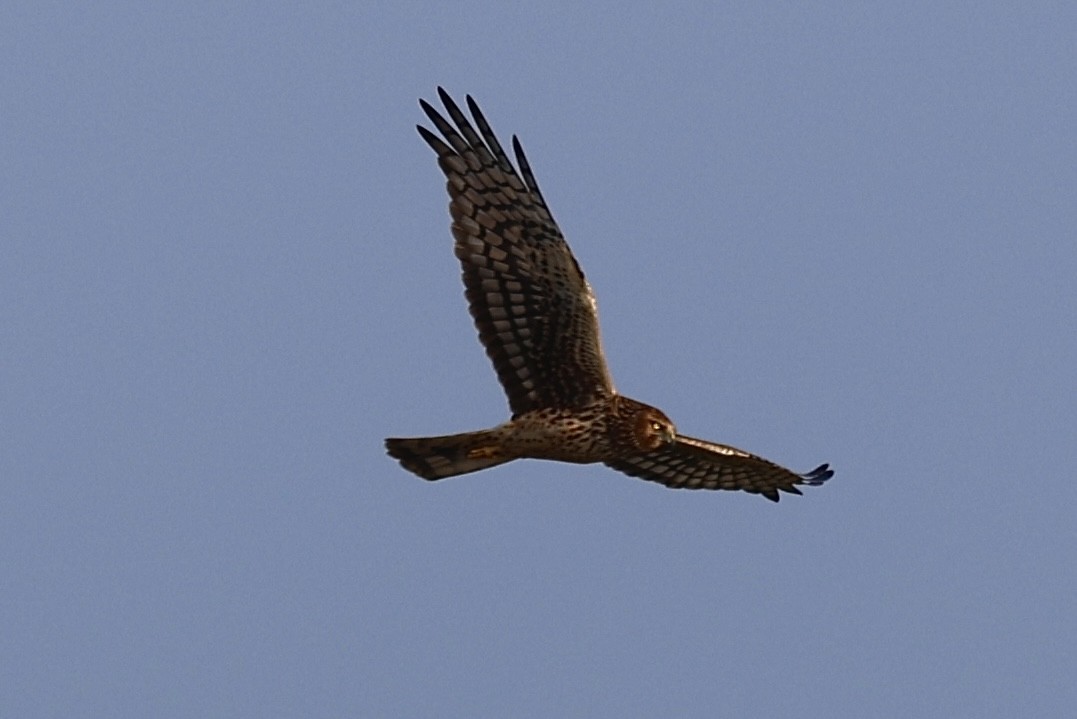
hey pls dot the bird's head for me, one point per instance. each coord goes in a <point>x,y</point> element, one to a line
<point>653,429</point>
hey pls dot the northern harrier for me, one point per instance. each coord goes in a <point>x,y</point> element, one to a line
<point>537,319</point>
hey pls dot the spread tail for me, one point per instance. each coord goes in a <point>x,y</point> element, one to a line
<point>439,457</point>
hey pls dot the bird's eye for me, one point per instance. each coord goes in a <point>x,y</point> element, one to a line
<point>656,426</point>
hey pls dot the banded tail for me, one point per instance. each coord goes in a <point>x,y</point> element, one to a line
<point>440,457</point>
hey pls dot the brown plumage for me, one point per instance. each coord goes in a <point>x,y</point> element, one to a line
<point>538,320</point>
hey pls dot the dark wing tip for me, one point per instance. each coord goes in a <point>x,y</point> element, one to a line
<point>521,158</point>
<point>472,106</point>
<point>435,142</point>
<point>426,133</point>
<point>813,478</point>
<point>817,476</point>
<point>428,109</point>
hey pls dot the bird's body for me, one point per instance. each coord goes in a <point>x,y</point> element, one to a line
<point>581,435</point>
<point>538,319</point>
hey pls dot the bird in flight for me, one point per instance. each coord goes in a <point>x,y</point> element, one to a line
<point>538,320</point>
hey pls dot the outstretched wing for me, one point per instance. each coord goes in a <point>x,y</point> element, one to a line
<point>690,463</point>
<point>535,312</point>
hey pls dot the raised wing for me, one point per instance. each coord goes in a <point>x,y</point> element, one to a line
<point>535,312</point>
<point>690,463</point>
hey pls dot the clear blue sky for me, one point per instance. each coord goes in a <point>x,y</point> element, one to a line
<point>816,231</point>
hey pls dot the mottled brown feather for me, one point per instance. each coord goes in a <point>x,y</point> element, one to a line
<point>534,310</point>
<point>690,463</point>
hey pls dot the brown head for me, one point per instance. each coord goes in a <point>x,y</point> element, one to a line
<point>643,427</point>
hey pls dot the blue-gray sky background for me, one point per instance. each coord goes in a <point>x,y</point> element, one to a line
<point>822,232</point>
